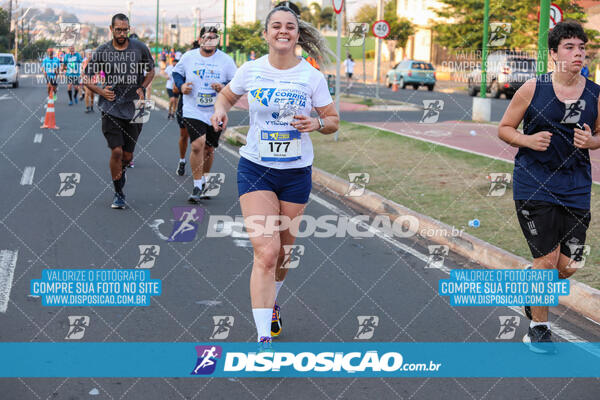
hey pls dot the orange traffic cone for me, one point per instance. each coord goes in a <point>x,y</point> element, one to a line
<point>50,120</point>
<point>395,86</point>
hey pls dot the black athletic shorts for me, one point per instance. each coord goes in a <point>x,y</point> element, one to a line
<point>120,133</point>
<point>179,112</point>
<point>547,226</point>
<point>171,93</point>
<point>73,79</point>
<point>349,74</point>
<point>52,80</point>
<point>197,128</point>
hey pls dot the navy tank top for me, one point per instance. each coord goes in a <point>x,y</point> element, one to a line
<point>562,174</point>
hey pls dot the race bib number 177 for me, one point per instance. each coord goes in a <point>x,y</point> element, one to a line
<point>279,145</point>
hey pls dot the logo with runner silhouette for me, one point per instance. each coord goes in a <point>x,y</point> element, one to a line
<point>358,183</point>
<point>499,182</point>
<point>77,325</point>
<point>431,111</point>
<point>142,111</point>
<point>222,326</point>
<point>212,187</point>
<point>186,222</point>
<point>437,254</point>
<point>69,33</point>
<point>68,183</point>
<point>508,327</point>
<point>293,252</point>
<point>366,326</point>
<point>148,255</point>
<point>356,34</point>
<point>262,95</point>
<point>573,111</point>
<point>207,359</point>
<point>499,32</point>
<point>578,252</point>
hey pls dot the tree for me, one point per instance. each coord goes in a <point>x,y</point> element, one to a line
<point>6,37</point>
<point>466,29</point>
<point>367,13</point>
<point>247,37</point>
<point>35,50</point>
<point>325,18</point>
<point>400,29</point>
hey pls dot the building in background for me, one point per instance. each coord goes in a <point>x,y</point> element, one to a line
<point>420,46</point>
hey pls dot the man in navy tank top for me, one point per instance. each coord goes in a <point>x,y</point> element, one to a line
<point>552,178</point>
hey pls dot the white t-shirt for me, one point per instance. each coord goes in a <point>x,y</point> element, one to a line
<point>349,66</point>
<point>274,95</point>
<point>169,72</point>
<point>202,72</point>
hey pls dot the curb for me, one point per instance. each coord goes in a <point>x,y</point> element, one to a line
<point>582,299</point>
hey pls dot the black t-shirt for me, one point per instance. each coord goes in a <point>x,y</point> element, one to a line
<point>124,72</point>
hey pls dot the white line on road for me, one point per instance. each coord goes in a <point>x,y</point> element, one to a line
<point>562,332</point>
<point>8,261</point>
<point>27,177</point>
<point>38,138</point>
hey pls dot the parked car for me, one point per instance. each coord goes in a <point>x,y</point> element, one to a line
<point>413,73</point>
<point>9,71</point>
<point>506,73</point>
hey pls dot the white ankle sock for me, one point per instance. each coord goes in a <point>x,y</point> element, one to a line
<point>278,285</point>
<point>203,179</point>
<point>262,320</point>
<point>198,183</point>
<point>182,160</point>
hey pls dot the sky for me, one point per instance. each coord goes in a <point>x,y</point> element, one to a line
<point>144,11</point>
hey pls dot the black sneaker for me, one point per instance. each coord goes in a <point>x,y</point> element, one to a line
<point>118,201</point>
<point>527,309</point>
<point>539,340</point>
<point>195,197</point>
<point>204,196</point>
<point>181,168</point>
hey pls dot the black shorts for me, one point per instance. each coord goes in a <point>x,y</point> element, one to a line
<point>349,74</point>
<point>120,133</point>
<point>547,226</point>
<point>197,128</point>
<point>179,112</point>
<point>72,79</point>
<point>170,93</point>
<point>52,81</point>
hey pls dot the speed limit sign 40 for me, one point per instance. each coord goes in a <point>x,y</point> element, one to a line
<point>381,29</point>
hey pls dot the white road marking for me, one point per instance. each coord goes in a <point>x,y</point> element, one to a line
<point>155,225</point>
<point>556,329</point>
<point>38,138</point>
<point>27,177</point>
<point>8,261</point>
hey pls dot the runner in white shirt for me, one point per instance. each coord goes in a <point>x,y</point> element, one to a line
<point>274,172</point>
<point>205,72</point>
<point>168,73</point>
<point>349,67</point>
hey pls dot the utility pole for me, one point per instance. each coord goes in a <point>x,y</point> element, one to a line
<point>225,26</point>
<point>156,44</point>
<point>486,22</point>
<point>378,49</point>
<point>542,58</point>
<point>9,19</point>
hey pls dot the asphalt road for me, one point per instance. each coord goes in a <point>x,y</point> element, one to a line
<point>337,280</point>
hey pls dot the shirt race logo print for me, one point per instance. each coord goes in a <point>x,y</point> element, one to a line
<point>508,327</point>
<point>77,325</point>
<point>186,223</point>
<point>437,254</point>
<point>148,255</point>
<point>207,359</point>
<point>431,111</point>
<point>200,73</point>
<point>263,96</point>
<point>358,183</point>
<point>573,111</point>
<point>499,182</point>
<point>68,183</point>
<point>223,325</point>
<point>292,255</point>
<point>366,326</point>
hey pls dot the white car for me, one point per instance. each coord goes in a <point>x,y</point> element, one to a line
<point>9,70</point>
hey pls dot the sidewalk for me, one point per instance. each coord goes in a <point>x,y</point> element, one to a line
<point>473,137</point>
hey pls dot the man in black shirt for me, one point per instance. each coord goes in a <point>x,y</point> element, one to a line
<point>122,63</point>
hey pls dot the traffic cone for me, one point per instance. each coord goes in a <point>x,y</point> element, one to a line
<point>50,120</point>
<point>395,86</point>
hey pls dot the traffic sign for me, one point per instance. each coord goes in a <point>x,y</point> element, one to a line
<point>338,5</point>
<point>556,15</point>
<point>381,29</point>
